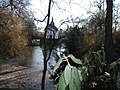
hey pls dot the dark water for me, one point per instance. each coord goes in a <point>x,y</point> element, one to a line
<point>36,59</point>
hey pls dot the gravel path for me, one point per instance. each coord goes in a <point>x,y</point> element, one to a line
<point>19,77</point>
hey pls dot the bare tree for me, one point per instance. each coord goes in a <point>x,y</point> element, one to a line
<point>46,58</point>
<point>18,7</point>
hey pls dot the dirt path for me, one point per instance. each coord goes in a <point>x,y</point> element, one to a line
<point>22,78</point>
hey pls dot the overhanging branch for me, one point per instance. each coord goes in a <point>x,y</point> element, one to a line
<point>41,20</point>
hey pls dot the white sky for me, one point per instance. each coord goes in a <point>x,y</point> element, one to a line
<point>77,8</point>
<point>60,12</point>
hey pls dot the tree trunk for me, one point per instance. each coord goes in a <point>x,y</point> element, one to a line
<point>45,49</point>
<point>108,31</point>
<point>44,76</point>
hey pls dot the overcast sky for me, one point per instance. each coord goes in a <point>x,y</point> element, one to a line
<point>62,9</point>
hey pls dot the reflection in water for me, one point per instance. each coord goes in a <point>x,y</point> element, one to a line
<point>36,60</point>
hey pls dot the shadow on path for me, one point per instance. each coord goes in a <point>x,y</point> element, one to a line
<point>22,78</point>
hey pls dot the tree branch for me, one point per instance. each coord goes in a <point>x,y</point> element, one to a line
<point>41,20</point>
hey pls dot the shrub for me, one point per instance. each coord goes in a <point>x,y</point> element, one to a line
<point>91,73</point>
<point>74,41</point>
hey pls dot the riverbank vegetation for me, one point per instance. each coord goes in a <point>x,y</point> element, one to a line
<point>15,30</point>
<point>88,63</point>
<point>96,65</point>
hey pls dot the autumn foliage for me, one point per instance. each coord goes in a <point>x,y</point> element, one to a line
<point>13,40</point>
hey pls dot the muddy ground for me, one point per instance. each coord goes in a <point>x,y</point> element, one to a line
<point>20,77</point>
